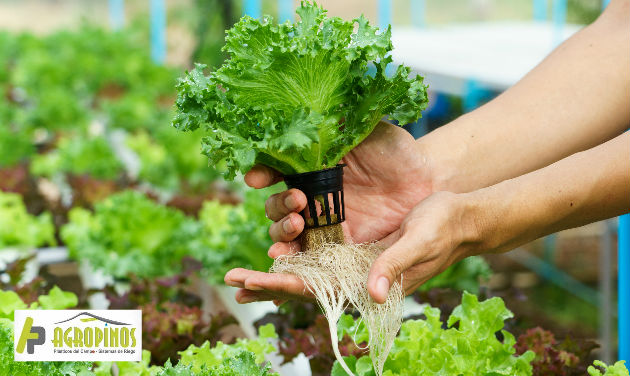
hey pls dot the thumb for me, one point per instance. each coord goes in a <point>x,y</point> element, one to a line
<point>388,267</point>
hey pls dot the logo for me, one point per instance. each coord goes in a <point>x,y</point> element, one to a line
<point>62,335</point>
<point>30,337</point>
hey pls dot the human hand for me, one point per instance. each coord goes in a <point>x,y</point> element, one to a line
<point>385,177</point>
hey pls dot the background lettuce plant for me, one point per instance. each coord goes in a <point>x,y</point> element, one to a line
<point>468,346</point>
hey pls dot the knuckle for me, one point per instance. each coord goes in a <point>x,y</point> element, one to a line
<point>395,267</point>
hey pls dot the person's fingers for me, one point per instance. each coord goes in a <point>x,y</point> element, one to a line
<point>389,266</point>
<point>276,283</point>
<point>236,277</point>
<point>281,204</point>
<point>283,248</point>
<point>262,176</point>
<point>286,230</point>
<point>244,296</point>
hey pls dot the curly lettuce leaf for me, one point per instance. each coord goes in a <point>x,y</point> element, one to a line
<point>237,235</point>
<point>129,233</point>
<point>617,369</point>
<point>465,275</point>
<point>18,228</point>
<point>469,346</point>
<point>296,97</point>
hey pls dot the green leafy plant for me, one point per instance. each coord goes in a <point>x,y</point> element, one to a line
<point>468,346</point>
<point>20,229</point>
<point>463,276</point>
<point>617,369</point>
<point>237,235</point>
<point>296,97</point>
<point>130,234</point>
<point>79,155</point>
<point>206,356</point>
<point>245,357</point>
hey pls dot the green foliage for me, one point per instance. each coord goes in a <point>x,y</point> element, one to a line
<point>296,97</point>
<point>63,77</point>
<point>129,233</point>
<point>198,357</point>
<point>191,167</point>
<point>463,276</point>
<point>243,363</point>
<point>79,155</point>
<point>20,229</point>
<point>141,368</point>
<point>9,302</point>
<point>20,145</point>
<point>617,369</point>
<point>468,347</point>
<point>157,166</point>
<point>238,235</point>
<point>57,299</point>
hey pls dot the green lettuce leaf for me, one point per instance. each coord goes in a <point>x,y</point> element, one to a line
<point>18,228</point>
<point>468,347</point>
<point>617,369</point>
<point>129,233</point>
<point>296,97</point>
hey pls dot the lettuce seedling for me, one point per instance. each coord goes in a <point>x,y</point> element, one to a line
<point>297,96</point>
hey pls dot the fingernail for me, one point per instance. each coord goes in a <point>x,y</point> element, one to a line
<point>287,226</point>
<point>290,202</point>
<point>382,287</point>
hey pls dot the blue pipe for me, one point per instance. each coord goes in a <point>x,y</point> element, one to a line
<point>605,4</point>
<point>285,10</point>
<point>117,14</point>
<point>418,13</point>
<point>559,18</point>
<point>158,31</point>
<point>384,13</point>
<point>540,10</point>
<point>252,8</point>
<point>623,273</point>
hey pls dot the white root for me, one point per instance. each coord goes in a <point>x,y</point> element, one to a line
<point>337,275</point>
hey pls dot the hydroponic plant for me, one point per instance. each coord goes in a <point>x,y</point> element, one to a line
<point>79,155</point>
<point>237,235</point>
<point>467,346</point>
<point>617,369</point>
<point>20,229</point>
<point>130,234</point>
<point>298,97</point>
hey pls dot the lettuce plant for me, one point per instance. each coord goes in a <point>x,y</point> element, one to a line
<point>129,233</point>
<point>468,346</point>
<point>79,155</point>
<point>18,228</point>
<point>617,369</point>
<point>296,96</point>
<point>237,235</point>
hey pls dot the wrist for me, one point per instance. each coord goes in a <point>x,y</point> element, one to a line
<point>481,222</point>
<point>445,158</point>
